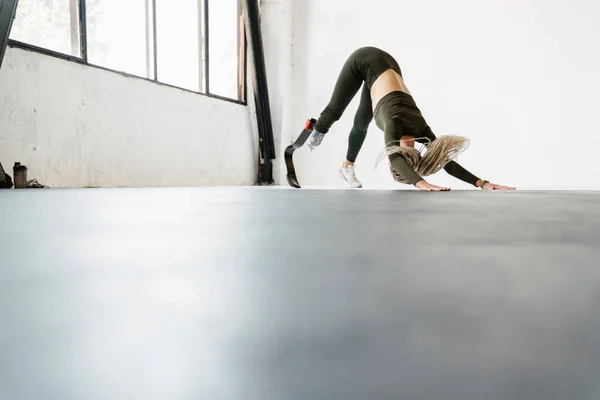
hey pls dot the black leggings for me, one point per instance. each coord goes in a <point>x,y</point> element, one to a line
<point>363,67</point>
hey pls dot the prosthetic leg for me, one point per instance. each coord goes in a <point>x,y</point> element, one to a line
<point>289,152</point>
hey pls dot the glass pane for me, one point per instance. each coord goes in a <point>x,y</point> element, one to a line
<point>179,50</point>
<point>117,36</point>
<point>224,20</point>
<point>51,24</point>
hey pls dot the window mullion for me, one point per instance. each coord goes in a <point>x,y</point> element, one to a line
<point>206,44</point>
<point>83,30</point>
<point>201,54</point>
<point>151,56</point>
<point>241,53</point>
<point>155,40</point>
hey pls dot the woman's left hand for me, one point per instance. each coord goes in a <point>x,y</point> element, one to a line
<point>493,186</point>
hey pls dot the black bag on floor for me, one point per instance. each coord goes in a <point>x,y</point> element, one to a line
<point>5,180</point>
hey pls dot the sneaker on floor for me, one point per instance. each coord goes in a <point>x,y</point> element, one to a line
<point>34,184</point>
<point>349,175</point>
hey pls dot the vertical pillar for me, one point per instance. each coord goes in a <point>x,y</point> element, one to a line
<point>261,92</point>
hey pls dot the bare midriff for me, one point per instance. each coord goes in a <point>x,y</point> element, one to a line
<point>389,81</point>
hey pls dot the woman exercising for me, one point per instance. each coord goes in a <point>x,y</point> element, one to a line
<point>398,116</point>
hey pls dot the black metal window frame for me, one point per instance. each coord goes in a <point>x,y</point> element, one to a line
<point>83,58</point>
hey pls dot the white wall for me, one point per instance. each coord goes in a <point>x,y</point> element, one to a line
<point>79,126</point>
<point>519,77</point>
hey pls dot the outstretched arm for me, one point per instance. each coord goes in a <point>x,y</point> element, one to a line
<point>456,170</point>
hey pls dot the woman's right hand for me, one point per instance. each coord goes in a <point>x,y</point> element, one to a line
<point>425,186</point>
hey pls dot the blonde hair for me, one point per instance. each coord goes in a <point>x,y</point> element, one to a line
<point>439,152</point>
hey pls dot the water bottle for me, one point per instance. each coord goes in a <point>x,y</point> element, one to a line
<point>20,175</point>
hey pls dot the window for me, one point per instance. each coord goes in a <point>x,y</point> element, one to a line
<point>179,34</point>
<point>116,35</point>
<point>52,24</point>
<point>198,45</point>
<point>225,22</point>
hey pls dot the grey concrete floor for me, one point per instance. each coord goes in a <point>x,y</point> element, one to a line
<point>259,294</point>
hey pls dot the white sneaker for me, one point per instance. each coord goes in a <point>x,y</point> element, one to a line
<point>349,175</point>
